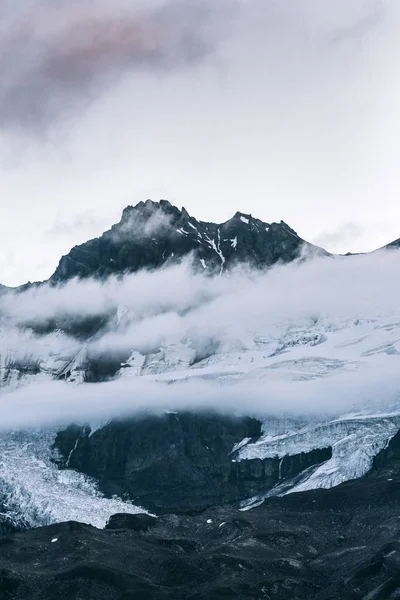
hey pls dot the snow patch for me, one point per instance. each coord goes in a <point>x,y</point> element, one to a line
<point>217,248</point>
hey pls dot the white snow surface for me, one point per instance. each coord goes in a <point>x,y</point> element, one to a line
<point>35,493</point>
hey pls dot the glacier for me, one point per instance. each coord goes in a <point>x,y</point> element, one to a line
<point>34,493</point>
<point>355,440</point>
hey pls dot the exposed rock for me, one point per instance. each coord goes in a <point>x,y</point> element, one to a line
<point>389,458</point>
<point>177,462</point>
<point>139,522</point>
<point>152,234</point>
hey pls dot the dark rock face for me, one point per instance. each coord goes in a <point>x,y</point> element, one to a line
<point>388,459</point>
<point>140,522</point>
<point>178,462</point>
<point>79,327</point>
<point>152,234</point>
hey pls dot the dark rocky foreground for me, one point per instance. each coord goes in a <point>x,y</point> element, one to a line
<point>338,544</point>
<point>178,462</point>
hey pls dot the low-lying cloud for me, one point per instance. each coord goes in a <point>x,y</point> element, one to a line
<point>57,403</point>
<point>150,312</point>
<point>342,287</point>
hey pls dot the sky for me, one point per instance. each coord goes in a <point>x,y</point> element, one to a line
<point>283,109</point>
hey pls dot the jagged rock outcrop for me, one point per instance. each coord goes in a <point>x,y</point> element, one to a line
<point>152,234</point>
<point>139,522</point>
<point>178,462</point>
<point>388,459</point>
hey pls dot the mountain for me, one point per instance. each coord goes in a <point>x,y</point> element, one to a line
<point>152,234</point>
<point>170,330</point>
<point>149,235</point>
<point>216,437</point>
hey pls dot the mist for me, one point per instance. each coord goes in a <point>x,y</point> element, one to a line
<point>206,316</point>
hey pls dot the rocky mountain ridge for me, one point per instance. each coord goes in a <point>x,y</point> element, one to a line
<point>152,234</point>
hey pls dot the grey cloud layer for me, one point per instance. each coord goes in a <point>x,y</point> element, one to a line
<point>53,58</point>
<point>172,305</point>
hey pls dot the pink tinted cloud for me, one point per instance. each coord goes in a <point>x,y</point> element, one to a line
<point>52,55</point>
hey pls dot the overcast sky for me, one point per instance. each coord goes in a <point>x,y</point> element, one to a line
<point>286,109</point>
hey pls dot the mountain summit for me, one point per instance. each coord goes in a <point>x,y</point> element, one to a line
<point>152,234</point>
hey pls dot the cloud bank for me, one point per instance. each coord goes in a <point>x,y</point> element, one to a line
<point>173,307</point>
